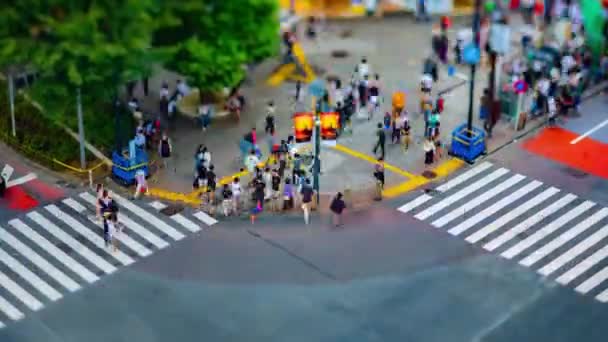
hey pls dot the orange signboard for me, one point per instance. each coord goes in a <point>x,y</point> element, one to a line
<point>303,124</point>
<point>330,123</point>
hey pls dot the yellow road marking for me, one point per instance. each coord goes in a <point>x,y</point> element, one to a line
<point>372,160</point>
<point>442,170</point>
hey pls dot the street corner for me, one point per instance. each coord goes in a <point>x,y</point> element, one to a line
<point>371,159</point>
<point>578,151</point>
<point>24,190</point>
<point>441,171</point>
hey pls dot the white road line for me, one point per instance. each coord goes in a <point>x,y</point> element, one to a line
<point>87,233</point>
<point>420,200</point>
<point>60,255</point>
<point>7,172</point>
<point>529,222</point>
<point>184,222</point>
<point>17,291</point>
<point>575,251</point>
<point>11,311</point>
<point>21,180</point>
<point>446,202</point>
<point>72,243</point>
<point>134,226</point>
<point>79,208</point>
<point>589,132</point>
<point>593,282</point>
<point>37,260</point>
<point>547,230</point>
<point>29,276</point>
<point>583,266</point>
<point>151,219</point>
<point>472,204</point>
<point>511,215</point>
<point>494,208</point>
<point>158,205</point>
<point>208,220</point>
<point>603,297</point>
<point>123,238</point>
<point>564,237</point>
<point>464,177</point>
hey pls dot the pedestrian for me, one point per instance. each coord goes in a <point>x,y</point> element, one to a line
<point>226,200</point>
<point>283,152</point>
<point>379,177</point>
<point>105,203</point>
<point>288,195</point>
<point>164,90</point>
<point>311,30</point>
<point>374,93</point>
<point>211,182</point>
<point>405,130</point>
<point>364,95</point>
<point>141,183</point>
<point>200,179</point>
<point>363,69</point>
<point>551,111</point>
<point>99,191</point>
<point>252,161</point>
<point>298,94</point>
<point>307,193</point>
<point>429,151</point>
<point>3,187</point>
<point>276,190</point>
<point>381,140</point>
<point>267,179</point>
<point>204,114</point>
<point>164,150</point>
<point>258,199</point>
<point>337,206</point>
<point>397,127</point>
<point>235,187</point>
<point>107,229</point>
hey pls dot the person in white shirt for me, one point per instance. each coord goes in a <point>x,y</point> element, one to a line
<point>235,187</point>
<point>552,110</point>
<point>141,184</point>
<point>251,161</point>
<point>567,63</point>
<point>164,90</point>
<point>182,88</point>
<point>363,68</point>
<point>426,83</point>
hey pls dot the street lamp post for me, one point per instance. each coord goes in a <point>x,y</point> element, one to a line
<point>476,26</point>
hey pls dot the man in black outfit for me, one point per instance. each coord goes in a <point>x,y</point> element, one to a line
<point>381,142</point>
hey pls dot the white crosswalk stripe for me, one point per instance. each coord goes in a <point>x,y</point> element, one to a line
<point>531,221</point>
<point>511,215</point>
<point>461,194</point>
<point>203,217</point>
<point>553,233</point>
<point>65,259</point>
<point>548,230</point>
<point>9,310</point>
<point>123,238</point>
<point>45,256</point>
<point>494,208</point>
<point>72,243</point>
<point>87,233</point>
<point>564,237</point>
<point>37,260</point>
<point>477,201</point>
<point>184,222</point>
<point>151,219</point>
<point>25,297</point>
<point>29,276</point>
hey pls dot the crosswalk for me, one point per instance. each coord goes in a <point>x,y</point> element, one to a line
<point>557,234</point>
<point>59,249</point>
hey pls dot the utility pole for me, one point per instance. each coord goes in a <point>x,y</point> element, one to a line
<point>476,25</point>
<point>11,96</point>
<point>317,134</point>
<point>83,162</point>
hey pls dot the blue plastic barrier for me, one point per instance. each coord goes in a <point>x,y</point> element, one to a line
<point>124,169</point>
<point>468,146</point>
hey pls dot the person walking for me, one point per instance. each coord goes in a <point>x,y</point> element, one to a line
<point>307,193</point>
<point>236,189</point>
<point>226,200</point>
<point>288,195</point>
<point>258,199</point>
<point>379,176</point>
<point>141,183</point>
<point>429,151</point>
<point>204,114</point>
<point>337,206</point>
<point>381,142</point>
<point>99,191</point>
<point>165,150</point>
<point>276,190</point>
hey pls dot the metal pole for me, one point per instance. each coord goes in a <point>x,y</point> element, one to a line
<point>83,162</point>
<point>473,68</point>
<point>317,163</point>
<point>11,96</point>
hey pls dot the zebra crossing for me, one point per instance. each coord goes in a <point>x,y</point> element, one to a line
<point>559,235</point>
<point>59,249</point>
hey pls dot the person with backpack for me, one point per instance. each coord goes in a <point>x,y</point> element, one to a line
<point>381,142</point>
<point>337,206</point>
<point>164,150</point>
<point>227,200</point>
<point>307,193</point>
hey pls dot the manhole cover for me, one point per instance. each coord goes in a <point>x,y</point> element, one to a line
<point>339,54</point>
<point>346,34</point>
<point>429,174</point>
<point>576,173</point>
<point>172,210</point>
